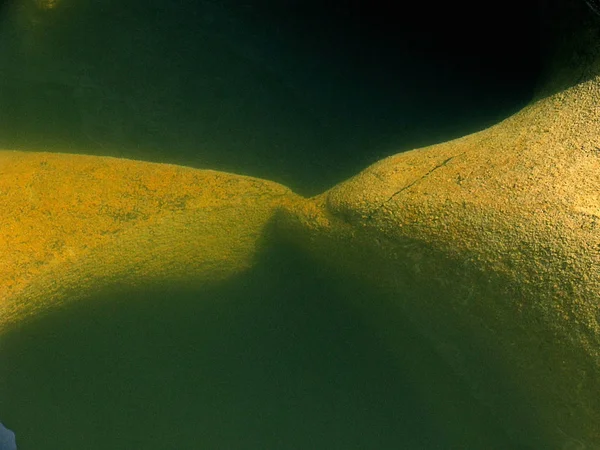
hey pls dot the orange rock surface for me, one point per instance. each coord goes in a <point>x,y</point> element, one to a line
<point>73,225</point>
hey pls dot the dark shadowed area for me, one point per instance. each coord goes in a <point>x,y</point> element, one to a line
<point>279,358</point>
<point>306,93</point>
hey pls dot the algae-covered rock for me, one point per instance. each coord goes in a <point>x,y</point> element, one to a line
<point>74,225</point>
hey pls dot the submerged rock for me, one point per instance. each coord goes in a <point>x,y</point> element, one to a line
<point>75,225</point>
<point>490,244</point>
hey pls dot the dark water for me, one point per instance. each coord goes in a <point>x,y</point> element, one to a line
<point>305,93</point>
<point>302,93</point>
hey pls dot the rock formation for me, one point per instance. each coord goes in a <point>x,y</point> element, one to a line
<point>73,225</point>
<point>488,244</point>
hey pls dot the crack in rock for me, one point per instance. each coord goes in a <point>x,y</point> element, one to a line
<point>408,186</point>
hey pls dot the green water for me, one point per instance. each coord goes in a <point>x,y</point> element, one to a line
<point>280,358</point>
